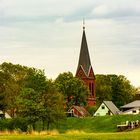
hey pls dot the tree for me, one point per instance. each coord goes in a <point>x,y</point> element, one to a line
<point>74,90</point>
<point>27,93</point>
<point>103,88</point>
<point>29,107</point>
<point>122,91</point>
<point>30,98</point>
<point>53,106</point>
<point>2,94</point>
<point>38,100</point>
<point>114,87</point>
<point>12,77</point>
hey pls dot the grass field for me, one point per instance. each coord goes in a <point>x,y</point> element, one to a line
<point>96,124</point>
<point>76,136</point>
<point>92,128</point>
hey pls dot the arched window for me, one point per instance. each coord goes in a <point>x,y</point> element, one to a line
<point>92,89</point>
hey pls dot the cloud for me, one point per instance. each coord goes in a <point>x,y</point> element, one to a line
<point>47,34</point>
<point>111,9</point>
<point>18,11</point>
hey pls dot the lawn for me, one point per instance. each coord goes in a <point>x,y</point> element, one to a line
<point>100,124</point>
<point>92,128</point>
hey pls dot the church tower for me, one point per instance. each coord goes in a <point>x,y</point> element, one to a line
<point>85,70</point>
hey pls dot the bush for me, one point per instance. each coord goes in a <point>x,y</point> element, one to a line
<point>92,110</point>
<point>4,124</point>
<point>13,124</point>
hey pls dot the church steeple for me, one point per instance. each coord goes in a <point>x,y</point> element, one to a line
<point>84,58</point>
<point>85,70</point>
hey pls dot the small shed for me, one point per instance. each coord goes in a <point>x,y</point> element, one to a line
<point>107,108</point>
<point>131,108</point>
<point>78,111</point>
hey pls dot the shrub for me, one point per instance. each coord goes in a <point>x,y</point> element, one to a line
<point>13,124</point>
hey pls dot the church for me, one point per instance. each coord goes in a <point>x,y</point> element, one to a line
<point>85,71</point>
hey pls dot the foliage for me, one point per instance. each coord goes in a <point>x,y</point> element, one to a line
<point>38,100</point>
<point>2,94</point>
<point>12,77</point>
<point>74,90</point>
<point>52,106</point>
<point>115,88</point>
<point>13,124</point>
<point>25,92</point>
<point>92,109</point>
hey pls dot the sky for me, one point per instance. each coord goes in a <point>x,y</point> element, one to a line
<point>46,34</point>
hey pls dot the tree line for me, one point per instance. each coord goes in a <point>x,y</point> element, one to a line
<point>116,88</point>
<point>26,92</point>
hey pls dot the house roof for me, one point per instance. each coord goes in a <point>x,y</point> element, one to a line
<point>111,106</point>
<point>133,104</point>
<point>84,58</point>
<point>81,110</point>
<point>135,108</point>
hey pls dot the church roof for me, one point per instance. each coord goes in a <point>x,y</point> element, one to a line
<point>84,58</point>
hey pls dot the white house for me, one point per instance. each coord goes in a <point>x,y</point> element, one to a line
<point>107,108</point>
<point>131,108</point>
<point>4,115</point>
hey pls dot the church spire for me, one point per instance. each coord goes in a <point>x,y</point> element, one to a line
<point>84,58</point>
<point>85,71</point>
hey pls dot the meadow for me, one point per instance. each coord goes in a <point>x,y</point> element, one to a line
<point>91,128</point>
<point>75,135</point>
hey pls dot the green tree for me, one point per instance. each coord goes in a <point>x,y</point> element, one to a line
<point>38,100</point>
<point>114,87</point>
<point>29,107</point>
<point>30,98</point>
<point>27,93</point>
<point>53,106</point>
<point>103,88</point>
<point>2,94</point>
<point>122,91</point>
<point>13,76</point>
<point>74,90</point>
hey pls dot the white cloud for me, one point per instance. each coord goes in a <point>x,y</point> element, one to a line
<point>37,33</point>
<point>111,9</point>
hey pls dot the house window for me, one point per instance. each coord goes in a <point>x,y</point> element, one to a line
<point>134,111</point>
<point>103,107</point>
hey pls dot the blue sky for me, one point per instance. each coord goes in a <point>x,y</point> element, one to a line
<point>46,34</point>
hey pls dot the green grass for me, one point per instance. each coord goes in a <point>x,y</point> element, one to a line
<point>96,124</point>
<point>91,128</point>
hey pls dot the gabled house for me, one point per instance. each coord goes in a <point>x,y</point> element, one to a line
<point>78,111</point>
<point>107,108</point>
<point>131,108</point>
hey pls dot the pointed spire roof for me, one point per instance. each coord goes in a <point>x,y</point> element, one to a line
<point>84,58</point>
